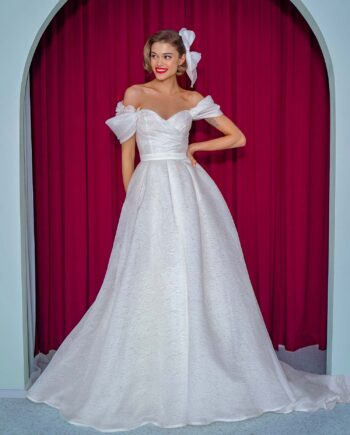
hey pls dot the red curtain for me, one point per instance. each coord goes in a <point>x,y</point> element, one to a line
<point>262,64</point>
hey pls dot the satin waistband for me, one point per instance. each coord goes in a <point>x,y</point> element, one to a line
<point>163,156</point>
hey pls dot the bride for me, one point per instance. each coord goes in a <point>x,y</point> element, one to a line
<point>164,96</point>
<point>175,335</point>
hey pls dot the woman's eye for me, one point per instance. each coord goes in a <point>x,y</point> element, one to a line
<point>167,56</point>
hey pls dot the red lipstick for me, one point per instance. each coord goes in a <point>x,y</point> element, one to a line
<point>161,70</point>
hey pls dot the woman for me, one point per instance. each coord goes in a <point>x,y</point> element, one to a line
<point>175,335</point>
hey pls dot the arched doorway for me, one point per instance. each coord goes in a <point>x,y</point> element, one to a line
<point>60,4</point>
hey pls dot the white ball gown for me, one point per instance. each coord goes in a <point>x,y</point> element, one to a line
<point>175,335</point>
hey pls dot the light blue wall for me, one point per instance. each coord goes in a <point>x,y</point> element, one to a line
<point>20,23</point>
<point>332,18</point>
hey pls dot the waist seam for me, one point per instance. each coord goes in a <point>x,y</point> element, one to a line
<point>163,156</point>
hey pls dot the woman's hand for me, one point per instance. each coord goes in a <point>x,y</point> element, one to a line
<point>190,151</point>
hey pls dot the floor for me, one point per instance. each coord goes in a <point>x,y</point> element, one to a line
<point>22,417</point>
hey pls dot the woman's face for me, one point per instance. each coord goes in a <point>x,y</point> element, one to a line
<point>165,60</point>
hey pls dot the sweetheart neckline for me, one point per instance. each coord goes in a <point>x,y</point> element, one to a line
<point>164,119</point>
<point>159,116</point>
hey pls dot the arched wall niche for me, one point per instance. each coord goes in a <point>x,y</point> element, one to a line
<point>322,42</point>
<point>331,80</point>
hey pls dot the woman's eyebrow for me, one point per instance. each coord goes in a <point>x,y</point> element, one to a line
<point>153,52</point>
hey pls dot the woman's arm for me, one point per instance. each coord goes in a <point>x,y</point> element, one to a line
<point>131,96</point>
<point>233,136</point>
<point>128,160</point>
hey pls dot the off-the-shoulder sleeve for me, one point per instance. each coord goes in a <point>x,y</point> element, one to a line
<point>206,108</point>
<point>123,124</point>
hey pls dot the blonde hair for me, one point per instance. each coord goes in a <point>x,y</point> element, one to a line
<point>171,37</point>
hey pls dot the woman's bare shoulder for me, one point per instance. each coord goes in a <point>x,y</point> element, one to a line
<point>132,95</point>
<point>135,94</point>
<point>195,97</point>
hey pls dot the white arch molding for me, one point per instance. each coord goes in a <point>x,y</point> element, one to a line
<point>316,30</point>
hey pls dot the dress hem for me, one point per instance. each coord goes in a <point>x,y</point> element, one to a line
<point>285,409</point>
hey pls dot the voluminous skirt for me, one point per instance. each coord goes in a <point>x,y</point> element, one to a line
<point>175,336</point>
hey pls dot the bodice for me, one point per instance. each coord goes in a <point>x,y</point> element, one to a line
<point>157,137</point>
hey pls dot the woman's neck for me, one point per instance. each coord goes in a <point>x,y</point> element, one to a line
<point>167,87</point>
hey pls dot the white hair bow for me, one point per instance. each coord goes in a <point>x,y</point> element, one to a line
<point>192,57</point>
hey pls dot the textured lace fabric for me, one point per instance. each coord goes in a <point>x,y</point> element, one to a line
<point>175,335</point>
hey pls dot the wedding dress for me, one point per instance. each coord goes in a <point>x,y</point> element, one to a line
<point>175,335</point>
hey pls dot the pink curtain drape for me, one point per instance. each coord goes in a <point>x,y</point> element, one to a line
<point>262,64</point>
